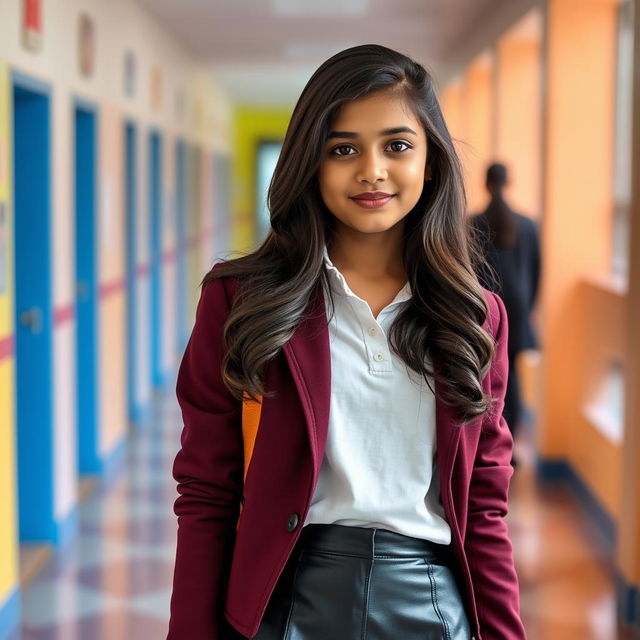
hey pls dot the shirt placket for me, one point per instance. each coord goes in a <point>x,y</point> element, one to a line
<point>373,336</point>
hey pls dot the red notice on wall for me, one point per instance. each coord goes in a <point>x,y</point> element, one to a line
<point>32,24</point>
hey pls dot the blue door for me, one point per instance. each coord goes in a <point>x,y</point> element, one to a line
<point>155,227</point>
<point>131,212</point>
<point>86,289</point>
<point>33,310</point>
<point>181,245</point>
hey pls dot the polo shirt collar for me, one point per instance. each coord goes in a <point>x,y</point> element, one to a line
<point>340,286</point>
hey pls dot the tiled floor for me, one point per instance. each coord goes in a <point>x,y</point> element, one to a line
<point>114,583</point>
<point>564,567</point>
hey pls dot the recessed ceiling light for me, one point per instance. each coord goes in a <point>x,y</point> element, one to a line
<point>306,8</point>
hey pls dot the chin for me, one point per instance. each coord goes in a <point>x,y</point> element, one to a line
<point>372,226</point>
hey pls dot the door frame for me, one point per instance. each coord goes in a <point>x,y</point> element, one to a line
<point>33,310</point>
<point>131,150</point>
<point>87,291</point>
<point>155,149</point>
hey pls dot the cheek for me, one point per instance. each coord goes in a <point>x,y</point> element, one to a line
<point>329,182</point>
<point>415,171</point>
<point>413,177</point>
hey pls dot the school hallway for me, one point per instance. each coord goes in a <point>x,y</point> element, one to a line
<point>138,139</point>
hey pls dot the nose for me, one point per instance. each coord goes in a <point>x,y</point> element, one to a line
<point>372,168</point>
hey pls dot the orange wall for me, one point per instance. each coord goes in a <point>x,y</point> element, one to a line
<point>518,120</point>
<point>577,207</point>
<point>452,109</point>
<point>477,130</point>
<point>594,456</point>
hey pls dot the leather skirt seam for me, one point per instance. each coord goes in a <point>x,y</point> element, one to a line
<point>436,606</point>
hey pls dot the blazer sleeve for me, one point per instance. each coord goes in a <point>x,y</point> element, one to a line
<point>208,470</point>
<point>487,542</point>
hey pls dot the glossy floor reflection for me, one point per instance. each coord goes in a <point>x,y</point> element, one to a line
<point>564,566</point>
<point>114,582</point>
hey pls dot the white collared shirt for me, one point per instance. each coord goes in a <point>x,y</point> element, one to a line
<point>379,467</point>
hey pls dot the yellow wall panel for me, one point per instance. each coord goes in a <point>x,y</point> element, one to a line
<point>8,514</point>
<point>8,506</point>
<point>251,125</point>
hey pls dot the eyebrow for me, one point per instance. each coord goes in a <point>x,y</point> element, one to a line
<point>384,132</point>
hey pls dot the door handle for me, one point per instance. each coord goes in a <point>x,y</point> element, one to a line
<point>32,318</point>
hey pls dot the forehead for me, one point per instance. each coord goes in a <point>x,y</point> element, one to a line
<point>371,114</point>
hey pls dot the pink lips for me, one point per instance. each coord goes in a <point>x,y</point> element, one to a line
<point>372,200</point>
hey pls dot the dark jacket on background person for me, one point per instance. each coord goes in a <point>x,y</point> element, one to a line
<point>515,277</point>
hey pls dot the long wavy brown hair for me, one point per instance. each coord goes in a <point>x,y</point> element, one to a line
<point>443,322</point>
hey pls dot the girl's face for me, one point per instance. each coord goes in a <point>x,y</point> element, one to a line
<point>375,144</point>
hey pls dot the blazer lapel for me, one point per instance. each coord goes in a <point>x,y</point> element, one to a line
<point>447,438</point>
<point>309,358</point>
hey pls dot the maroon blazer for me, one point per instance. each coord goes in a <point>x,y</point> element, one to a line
<point>229,557</point>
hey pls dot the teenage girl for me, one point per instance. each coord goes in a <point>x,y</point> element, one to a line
<point>344,467</point>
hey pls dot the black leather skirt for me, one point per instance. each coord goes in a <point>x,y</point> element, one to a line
<point>357,583</point>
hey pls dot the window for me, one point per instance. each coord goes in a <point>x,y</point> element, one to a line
<point>622,150</point>
<point>267,157</point>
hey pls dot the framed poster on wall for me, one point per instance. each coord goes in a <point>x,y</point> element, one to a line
<point>156,89</point>
<point>32,24</point>
<point>130,74</point>
<point>86,45</point>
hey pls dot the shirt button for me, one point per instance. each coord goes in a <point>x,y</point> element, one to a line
<point>378,356</point>
<point>372,331</point>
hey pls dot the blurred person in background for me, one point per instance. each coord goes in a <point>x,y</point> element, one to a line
<point>510,245</point>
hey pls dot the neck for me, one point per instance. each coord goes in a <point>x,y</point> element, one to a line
<point>372,256</point>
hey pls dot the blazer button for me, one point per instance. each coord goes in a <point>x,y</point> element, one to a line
<point>292,522</point>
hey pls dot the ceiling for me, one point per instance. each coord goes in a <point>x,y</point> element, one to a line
<point>264,51</point>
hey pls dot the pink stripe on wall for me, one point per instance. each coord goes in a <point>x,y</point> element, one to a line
<point>109,288</point>
<point>63,314</point>
<point>193,242</point>
<point>169,255</point>
<point>142,269</point>
<point>6,347</point>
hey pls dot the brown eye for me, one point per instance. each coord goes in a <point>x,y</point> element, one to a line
<point>399,142</point>
<point>334,151</point>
